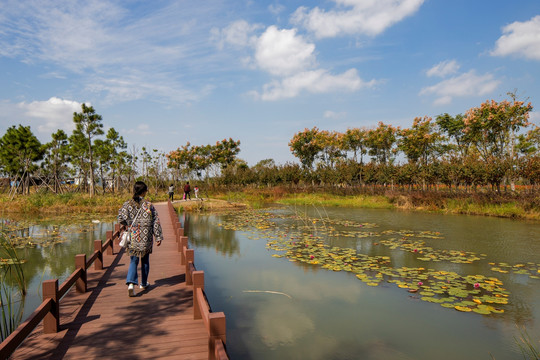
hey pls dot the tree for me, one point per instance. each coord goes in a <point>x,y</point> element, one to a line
<point>88,123</point>
<point>355,140</point>
<point>57,157</point>
<point>493,127</point>
<point>118,155</point>
<point>381,141</point>
<point>421,142</point>
<point>305,147</point>
<point>454,127</point>
<point>330,143</point>
<point>19,150</point>
<point>225,151</point>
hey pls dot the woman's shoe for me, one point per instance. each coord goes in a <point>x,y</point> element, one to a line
<point>131,290</point>
<point>141,286</point>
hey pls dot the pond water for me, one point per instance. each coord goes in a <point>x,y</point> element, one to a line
<point>352,299</point>
<point>328,283</point>
<point>49,245</point>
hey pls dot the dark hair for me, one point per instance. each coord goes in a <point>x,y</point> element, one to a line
<point>138,189</point>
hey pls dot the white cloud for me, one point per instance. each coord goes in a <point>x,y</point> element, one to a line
<point>520,38</point>
<point>276,9</point>
<point>329,114</point>
<point>467,84</point>
<point>316,81</point>
<point>239,33</point>
<point>369,17</point>
<point>100,39</point>
<point>43,117</point>
<point>283,52</point>
<point>443,68</point>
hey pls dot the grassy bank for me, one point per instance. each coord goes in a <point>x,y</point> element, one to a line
<point>50,203</point>
<point>519,206</point>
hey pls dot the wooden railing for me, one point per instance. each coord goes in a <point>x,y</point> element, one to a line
<point>213,321</point>
<point>49,310</point>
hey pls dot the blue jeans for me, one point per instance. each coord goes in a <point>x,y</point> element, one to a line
<point>132,276</point>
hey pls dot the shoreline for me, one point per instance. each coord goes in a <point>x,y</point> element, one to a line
<point>522,208</point>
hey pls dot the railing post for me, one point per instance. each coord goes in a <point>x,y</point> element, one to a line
<point>190,257</point>
<point>98,263</point>
<point>181,245</point>
<point>80,263</point>
<point>51,321</point>
<point>198,283</point>
<point>109,237</point>
<point>180,230</point>
<point>217,332</point>
<point>117,227</point>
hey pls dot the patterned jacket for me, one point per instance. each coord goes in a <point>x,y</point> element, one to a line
<point>145,227</point>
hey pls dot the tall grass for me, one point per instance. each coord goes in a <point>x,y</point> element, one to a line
<point>526,345</point>
<point>12,287</point>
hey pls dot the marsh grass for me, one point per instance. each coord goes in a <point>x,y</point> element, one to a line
<point>526,345</point>
<point>50,203</point>
<point>330,200</point>
<point>12,288</point>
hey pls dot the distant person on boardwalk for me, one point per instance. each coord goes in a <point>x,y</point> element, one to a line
<point>171,192</point>
<point>140,213</point>
<point>187,191</point>
<point>196,191</point>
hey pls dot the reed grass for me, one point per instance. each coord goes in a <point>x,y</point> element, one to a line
<point>12,288</point>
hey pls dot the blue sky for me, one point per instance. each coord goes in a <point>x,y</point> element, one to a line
<point>164,72</point>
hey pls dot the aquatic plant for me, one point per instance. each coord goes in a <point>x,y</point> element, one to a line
<point>312,240</point>
<point>12,287</point>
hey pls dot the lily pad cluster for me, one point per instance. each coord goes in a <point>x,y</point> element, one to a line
<point>427,253</point>
<point>530,269</point>
<point>45,232</point>
<point>309,240</point>
<point>476,293</point>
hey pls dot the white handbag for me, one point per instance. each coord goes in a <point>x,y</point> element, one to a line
<point>125,237</point>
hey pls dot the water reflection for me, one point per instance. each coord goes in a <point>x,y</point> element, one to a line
<point>332,315</point>
<point>207,235</point>
<point>49,245</point>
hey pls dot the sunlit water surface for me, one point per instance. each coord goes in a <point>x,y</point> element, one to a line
<point>278,309</point>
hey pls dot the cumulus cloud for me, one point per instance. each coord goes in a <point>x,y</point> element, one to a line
<point>521,39</point>
<point>467,84</point>
<point>283,52</point>
<point>316,81</point>
<point>43,117</point>
<point>443,69</point>
<point>351,17</point>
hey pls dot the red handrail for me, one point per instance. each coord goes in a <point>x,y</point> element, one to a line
<point>49,306</point>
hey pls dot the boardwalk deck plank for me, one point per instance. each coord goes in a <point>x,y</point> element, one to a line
<point>105,323</point>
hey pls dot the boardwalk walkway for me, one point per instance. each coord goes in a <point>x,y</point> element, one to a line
<point>105,323</point>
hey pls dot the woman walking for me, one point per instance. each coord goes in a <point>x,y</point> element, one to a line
<point>141,215</point>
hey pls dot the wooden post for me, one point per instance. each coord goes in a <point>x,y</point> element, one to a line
<point>98,263</point>
<point>217,332</point>
<point>181,245</point>
<point>190,255</point>
<point>180,230</point>
<point>51,321</point>
<point>198,282</point>
<point>110,248</point>
<point>80,263</point>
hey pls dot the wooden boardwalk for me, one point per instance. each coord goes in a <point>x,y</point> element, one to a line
<point>105,323</point>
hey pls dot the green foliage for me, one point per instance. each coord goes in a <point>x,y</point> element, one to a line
<point>12,287</point>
